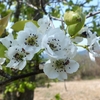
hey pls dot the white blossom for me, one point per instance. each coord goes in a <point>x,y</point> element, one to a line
<point>58,68</point>
<point>2,60</point>
<point>18,56</point>
<point>30,37</point>
<point>57,44</point>
<point>94,47</point>
<point>88,34</point>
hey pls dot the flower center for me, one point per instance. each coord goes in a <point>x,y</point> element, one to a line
<point>60,64</point>
<point>54,44</point>
<point>32,40</point>
<point>18,57</point>
<point>20,54</point>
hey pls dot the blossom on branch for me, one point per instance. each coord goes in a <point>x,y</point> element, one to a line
<point>18,57</point>
<point>30,37</point>
<point>56,43</point>
<point>58,68</point>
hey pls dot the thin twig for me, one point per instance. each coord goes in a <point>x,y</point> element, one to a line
<point>55,18</point>
<point>65,85</point>
<point>92,14</point>
<point>43,7</point>
<point>32,6</point>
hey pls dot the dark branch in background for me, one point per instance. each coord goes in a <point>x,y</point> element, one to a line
<point>89,6</point>
<point>82,4</point>
<point>37,11</point>
<point>43,7</point>
<point>51,17</point>
<point>2,73</point>
<point>92,14</point>
<point>30,5</point>
<point>59,19</point>
<point>17,13</point>
<point>14,78</point>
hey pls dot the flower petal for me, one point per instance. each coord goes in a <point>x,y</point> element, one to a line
<point>22,65</point>
<point>50,71</point>
<point>62,76</point>
<point>2,60</point>
<point>72,66</point>
<point>91,57</point>
<point>11,52</point>
<point>12,64</point>
<point>8,41</point>
<point>0,67</point>
<point>30,26</point>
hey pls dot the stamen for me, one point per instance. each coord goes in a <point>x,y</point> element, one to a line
<point>10,41</point>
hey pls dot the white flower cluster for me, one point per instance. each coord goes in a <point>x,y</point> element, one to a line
<point>60,50</point>
<point>57,45</point>
<point>93,43</point>
<point>23,48</point>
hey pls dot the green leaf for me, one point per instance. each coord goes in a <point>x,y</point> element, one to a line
<point>57,97</point>
<point>1,29</point>
<point>55,12</point>
<point>2,51</point>
<point>98,31</point>
<point>20,25</point>
<point>2,7</point>
<point>4,22</point>
<point>21,88</point>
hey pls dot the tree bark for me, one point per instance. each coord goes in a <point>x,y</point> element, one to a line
<point>27,95</point>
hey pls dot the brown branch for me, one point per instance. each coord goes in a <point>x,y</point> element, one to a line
<point>29,5</point>
<point>43,7</point>
<point>55,18</point>
<point>17,13</point>
<point>14,78</point>
<point>2,73</point>
<point>92,14</point>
